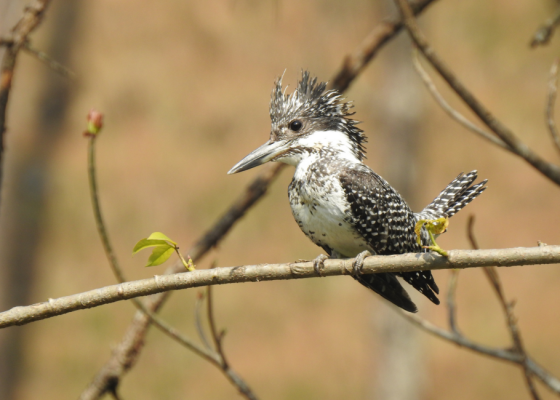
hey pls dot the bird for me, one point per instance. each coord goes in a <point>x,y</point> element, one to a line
<point>339,202</point>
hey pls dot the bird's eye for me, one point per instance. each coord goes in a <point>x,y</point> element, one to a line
<point>295,125</point>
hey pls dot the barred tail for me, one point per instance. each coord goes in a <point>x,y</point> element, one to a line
<point>454,197</point>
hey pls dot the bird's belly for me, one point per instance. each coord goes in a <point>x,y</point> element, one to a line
<point>324,221</point>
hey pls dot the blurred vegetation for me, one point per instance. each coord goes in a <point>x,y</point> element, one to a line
<point>184,87</point>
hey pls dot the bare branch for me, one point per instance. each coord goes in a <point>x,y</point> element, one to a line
<point>452,309</point>
<point>31,18</point>
<point>549,170</point>
<point>409,262</point>
<point>215,357</point>
<point>494,278</point>
<point>470,232</point>
<point>552,93</point>
<point>198,321</point>
<point>500,354</point>
<point>170,331</point>
<point>215,336</point>
<point>235,379</point>
<point>514,331</point>
<point>355,63</point>
<point>456,115</point>
<point>544,33</point>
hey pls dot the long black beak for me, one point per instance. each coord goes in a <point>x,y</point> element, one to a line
<point>262,155</point>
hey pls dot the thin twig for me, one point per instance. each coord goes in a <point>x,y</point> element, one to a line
<point>409,262</point>
<point>549,170</point>
<point>552,93</point>
<point>518,342</point>
<point>198,320</point>
<point>451,306</point>
<point>213,331</point>
<point>450,110</point>
<point>494,278</point>
<point>53,64</point>
<point>215,357</point>
<point>217,337</point>
<point>100,224</point>
<point>353,64</point>
<point>177,336</point>
<point>544,33</point>
<point>125,354</point>
<point>470,230</point>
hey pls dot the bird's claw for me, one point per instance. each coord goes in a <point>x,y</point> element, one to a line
<point>433,226</point>
<point>318,264</point>
<point>359,262</point>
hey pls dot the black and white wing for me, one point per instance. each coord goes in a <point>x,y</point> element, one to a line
<point>381,216</point>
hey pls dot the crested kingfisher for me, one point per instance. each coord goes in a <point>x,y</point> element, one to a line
<point>340,203</point>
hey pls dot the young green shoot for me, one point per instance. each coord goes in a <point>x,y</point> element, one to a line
<point>163,248</point>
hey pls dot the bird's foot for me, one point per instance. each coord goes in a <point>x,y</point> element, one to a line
<point>433,227</point>
<point>318,264</point>
<point>359,262</point>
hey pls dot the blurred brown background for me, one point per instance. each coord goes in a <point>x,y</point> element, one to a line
<point>185,86</point>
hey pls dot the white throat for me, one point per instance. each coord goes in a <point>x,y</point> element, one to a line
<point>323,142</point>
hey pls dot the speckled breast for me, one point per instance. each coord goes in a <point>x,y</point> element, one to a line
<point>321,210</point>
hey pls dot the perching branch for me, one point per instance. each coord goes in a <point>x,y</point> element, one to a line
<point>410,262</point>
<point>546,168</point>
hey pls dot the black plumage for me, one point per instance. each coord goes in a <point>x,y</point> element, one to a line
<point>386,222</point>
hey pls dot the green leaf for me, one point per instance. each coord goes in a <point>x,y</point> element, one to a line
<point>144,243</point>
<point>160,254</point>
<point>161,236</point>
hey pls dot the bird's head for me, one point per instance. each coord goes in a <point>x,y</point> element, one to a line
<point>312,121</point>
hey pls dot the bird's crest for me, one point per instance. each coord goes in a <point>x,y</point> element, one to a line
<point>324,109</point>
